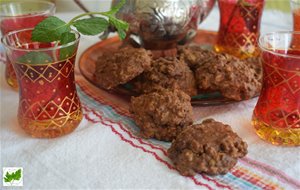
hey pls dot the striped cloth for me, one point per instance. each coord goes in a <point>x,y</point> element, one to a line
<point>251,172</point>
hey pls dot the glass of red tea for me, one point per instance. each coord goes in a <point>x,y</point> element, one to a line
<point>276,116</point>
<point>20,14</point>
<point>295,6</point>
<point>48,102</point>
<point>239,27</point>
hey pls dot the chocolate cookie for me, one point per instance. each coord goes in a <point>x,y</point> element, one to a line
<point>210,147</point>
<point>194,55</point>
<point>256,65</point>
<point>163,114</point>
<point>121,66</point>
<point>169,73</point>
<point>234,78</point>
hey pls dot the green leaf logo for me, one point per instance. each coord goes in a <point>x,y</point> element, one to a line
<point>10,178</point>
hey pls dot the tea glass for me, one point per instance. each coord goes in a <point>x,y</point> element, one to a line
<point>276,116</point>
<point>239,27</point>
<point>295,6</point>
<point>48,103</point>
<point>18,15</point>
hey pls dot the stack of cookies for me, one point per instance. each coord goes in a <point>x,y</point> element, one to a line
<point>163,110</point>
<point>194,70</point>
<point>235,79</point>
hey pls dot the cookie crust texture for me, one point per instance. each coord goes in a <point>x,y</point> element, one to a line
<point>195,56</point>
<point>171,73</point>
<point>162,115</point>
<point>115,68</point>
<point>235,79</point>
<point>210,147</point>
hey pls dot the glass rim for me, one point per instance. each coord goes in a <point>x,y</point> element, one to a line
<point>38,13</point>
<point>4,42</point>
<point>270,50</point>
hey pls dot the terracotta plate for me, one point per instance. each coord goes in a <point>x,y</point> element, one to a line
<point>88,60</point>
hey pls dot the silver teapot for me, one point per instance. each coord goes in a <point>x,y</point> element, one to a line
<point>162,24</point>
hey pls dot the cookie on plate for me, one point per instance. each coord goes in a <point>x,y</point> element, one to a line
<point>169,73</point>
<point>194,55</point>
<point>232,77</point>
<point>256,65</point>
<point>113,69</point>
<point>210,147</point>
<point>162,114</point>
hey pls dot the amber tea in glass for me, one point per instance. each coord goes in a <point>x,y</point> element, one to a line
<point>276,116</point>
<point>48,103</point>
<point>239,27</point>
<point>295,6</point>
<point>20,14</point>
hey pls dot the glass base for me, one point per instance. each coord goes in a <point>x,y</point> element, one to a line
<point>235,51</point>
<point>10,76</point>
<point>276,136</point>
<point>12,83</point>
<point>51,128</point>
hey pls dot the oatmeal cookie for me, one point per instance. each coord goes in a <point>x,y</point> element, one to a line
<point>169,73</point>
<point>210,147</point>
<point>255,64</point>
<point>195,56</point>
<point>121,66</point>
<point>232,77</point>
<point>163,114</point>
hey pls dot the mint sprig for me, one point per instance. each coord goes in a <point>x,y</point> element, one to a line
<point>50,30</point>
<point>53,29</point>
<point>119,25</point>
<point>91,26</point>
<point>68,51</point>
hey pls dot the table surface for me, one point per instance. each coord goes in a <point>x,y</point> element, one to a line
<point>106,152</point>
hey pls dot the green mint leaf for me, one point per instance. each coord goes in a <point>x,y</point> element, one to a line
<point>35,58</point>
<point>17,175</point>
<point>116,8</point>
<point>69,50</point>
<point>50,30</point>
<point>120,25</point>
<point>91,26</point>
<point>67,37</point>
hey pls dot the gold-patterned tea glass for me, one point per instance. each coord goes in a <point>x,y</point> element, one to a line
<point>17,15</point>
<point>276,116</point>
<point>48,103</point>
<point>239,27</point>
